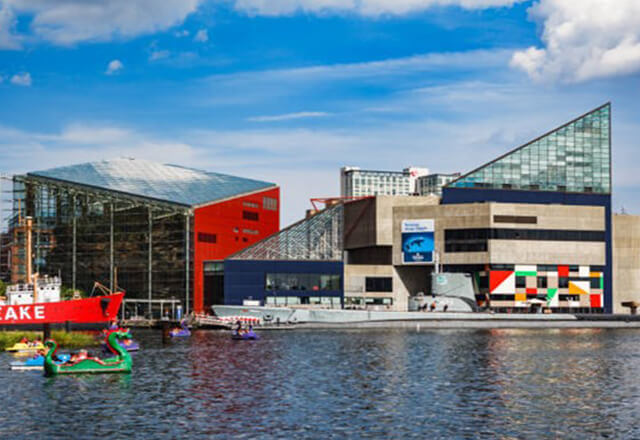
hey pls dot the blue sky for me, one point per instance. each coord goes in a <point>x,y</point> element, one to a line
<point>291,90</point>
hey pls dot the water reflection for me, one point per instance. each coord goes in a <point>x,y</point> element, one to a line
<point>317,384</point>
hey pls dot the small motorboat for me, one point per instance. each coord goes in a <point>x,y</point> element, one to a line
<point>37,362</point>
<point>244,336</point>
<point>121,363</point>
<point>181,332</point>
<point>25,347</point>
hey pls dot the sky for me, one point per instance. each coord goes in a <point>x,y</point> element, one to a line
<point>289,91</point>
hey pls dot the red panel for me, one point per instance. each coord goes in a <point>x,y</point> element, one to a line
<point>497,277</point>
<point>233,232</point>
<point>563,271</point>
<point>596,301</point>
<point>532,291</point>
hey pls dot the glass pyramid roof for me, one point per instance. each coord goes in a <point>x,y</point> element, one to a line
<point>575,157</point>
<point>170,183</point>
<point>318,238</point>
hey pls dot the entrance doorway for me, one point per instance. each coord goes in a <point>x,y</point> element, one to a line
<point>213,284</point>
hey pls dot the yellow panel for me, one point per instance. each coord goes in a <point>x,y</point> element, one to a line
<point>596,274</point>
<point>521,296</point>
<point>575,289</point>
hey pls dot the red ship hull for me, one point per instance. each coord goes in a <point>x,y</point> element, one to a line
<point>80,311</point>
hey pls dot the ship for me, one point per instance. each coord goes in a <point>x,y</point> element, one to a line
<point>38,301</point>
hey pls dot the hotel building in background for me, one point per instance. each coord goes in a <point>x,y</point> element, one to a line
<point>356,182</point>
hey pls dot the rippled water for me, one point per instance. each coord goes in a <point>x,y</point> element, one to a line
<point>345,384</point>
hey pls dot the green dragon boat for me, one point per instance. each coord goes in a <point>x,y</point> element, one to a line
<point>121,363</point>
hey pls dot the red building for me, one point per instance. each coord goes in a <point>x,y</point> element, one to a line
<point>224,228</point>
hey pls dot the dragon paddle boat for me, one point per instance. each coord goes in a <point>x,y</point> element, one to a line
<point>128,344</point>
<point>181,332</point>
<point>37,362</point>
<point>121,363</point>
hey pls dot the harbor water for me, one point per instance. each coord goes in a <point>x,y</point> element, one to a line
<point>393,383</point>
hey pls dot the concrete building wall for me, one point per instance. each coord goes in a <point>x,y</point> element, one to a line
<point>626,261</point>
<point>369,222</point>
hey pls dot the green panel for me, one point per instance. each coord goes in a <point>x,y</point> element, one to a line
<point>602,281</point>
<point>526,274</point>
<point>573,158</point>
<point>551,293</point>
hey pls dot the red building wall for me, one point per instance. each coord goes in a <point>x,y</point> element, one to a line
<point>234,227</point>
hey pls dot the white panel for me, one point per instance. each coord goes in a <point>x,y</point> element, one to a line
<point>507,286</point>
<point>523,268</point>
<point>583,271</point>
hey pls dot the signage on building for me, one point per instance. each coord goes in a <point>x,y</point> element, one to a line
<point>418,241</point>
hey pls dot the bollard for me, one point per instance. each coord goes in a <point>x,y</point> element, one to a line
<point>165,332</point>
<point>46,331</point>
<point>67,326</point>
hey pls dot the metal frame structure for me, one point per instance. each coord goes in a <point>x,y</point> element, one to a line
<point>87,232</point>
<point>316,238</point>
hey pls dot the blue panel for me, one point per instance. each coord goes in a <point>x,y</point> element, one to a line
<point>468,195</point>
<point>245,279</point>
<point>170,183</point>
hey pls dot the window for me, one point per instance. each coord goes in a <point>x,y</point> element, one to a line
<point>515,219</point>
<point>378,284</point>
<point>250,232</point>
<point>207,238</point>
<point>251,205</point>
<point>302,281</point>
<point>270,204</point>
<point>521,282</point>
<point>249,215</point>
<point>542,282</point>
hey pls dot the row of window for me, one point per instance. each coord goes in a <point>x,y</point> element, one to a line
<point>522,234</point>
<point>302,281</point>
<point>563,282</point>
<point>325,301</point>
<point>476,240</point>
<point>268,203</point>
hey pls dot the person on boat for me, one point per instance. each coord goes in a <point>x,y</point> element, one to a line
<point>238,329</point>
<point>79,356</point>
<point>24,340</point>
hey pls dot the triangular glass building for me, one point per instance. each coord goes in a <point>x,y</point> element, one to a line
<point>317,238</point>
<point>574,158</point>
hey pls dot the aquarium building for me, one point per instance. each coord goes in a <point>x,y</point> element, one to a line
<point>532,228</point>
<point>158,231</point>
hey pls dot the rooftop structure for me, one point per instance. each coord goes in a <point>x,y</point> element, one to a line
<point>575,158</point>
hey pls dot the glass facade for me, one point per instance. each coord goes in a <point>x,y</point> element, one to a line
<point>88,236</point>
<point>574,158</point>
<point>315,238</point>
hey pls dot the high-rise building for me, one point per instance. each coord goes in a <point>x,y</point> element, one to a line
<point>433,183</point>
<point>356,182</point>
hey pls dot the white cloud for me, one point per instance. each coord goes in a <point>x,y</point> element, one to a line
<point>362,7</point>
<point>288,116</point>
<point>67,22</point>
<point>114,67</point>
<point>158,55</point>
<point>583,40</point>
<point>8,39</point>
<point>21,79</point>
<point>201,36</point>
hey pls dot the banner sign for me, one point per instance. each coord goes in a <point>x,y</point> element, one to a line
<point>418,241</point>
